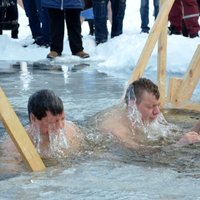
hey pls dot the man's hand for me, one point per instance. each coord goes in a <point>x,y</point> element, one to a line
<point>188,138</point>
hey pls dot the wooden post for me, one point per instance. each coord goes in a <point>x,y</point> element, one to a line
<point>19,135</point>
<point>174,84</point>
<point>162,60</point>
<point>190,80</point>
<point>151,41</point>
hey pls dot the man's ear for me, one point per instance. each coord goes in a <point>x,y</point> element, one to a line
<point>32,118</point>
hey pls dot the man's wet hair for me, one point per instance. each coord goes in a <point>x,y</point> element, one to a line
<point>137,88</point>
<point>42,101</point>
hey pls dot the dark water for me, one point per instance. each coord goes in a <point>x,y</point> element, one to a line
<point>103,169</point>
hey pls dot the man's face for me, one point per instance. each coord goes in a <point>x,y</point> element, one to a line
<point>49,123</point>
<point>148,107</point>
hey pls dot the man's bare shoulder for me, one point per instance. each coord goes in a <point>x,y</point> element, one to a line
<point>115,121</point>
<point>73,134</point>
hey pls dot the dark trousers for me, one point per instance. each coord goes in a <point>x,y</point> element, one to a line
<point>144,13</point>
<point>33,18</point>
<point>118,12</point>
<point>100,17</point>
<point>38,19</point>
<point>11,15</point>
<point>57,20</point>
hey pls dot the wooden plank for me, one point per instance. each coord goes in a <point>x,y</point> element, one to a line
<point>173,86</point>
<point>190,79</point>
<point>19,135</point>
<point>151,41</point>
<point>162,61</point>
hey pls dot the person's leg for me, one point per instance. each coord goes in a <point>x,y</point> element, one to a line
<point>144,14</point>
<point>31,13</point>
<point>74,30</point>
<point>72,17</point>
<point>156,7</point>
<point>56,19</point>
<point>44,19</point>
<point>100,20</point>
<point>118,11</point>
<point>175,18</point>
<point>91,26</point>
<point>191,16</point>
<point>15,31</point>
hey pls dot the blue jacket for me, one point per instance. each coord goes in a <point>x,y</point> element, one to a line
<point>62,4</point>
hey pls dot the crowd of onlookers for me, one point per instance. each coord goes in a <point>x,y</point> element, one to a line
<point>47,20</point>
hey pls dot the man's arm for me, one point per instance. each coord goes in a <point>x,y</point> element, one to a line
<point>196,128</point>
<point>190,137</point>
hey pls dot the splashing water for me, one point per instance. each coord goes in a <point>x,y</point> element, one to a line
<point>135,116</point>
<point>35,136</point>
<point>53,144</point>
<point>58,142</point>
<point>154,130</point>
<point>159,128</point>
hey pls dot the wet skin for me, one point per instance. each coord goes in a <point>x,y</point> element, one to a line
<point>148,107</point>
<point>51,121</point>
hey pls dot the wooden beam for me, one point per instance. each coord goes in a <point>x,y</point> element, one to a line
<point>151,41</point>
<point>190,80</point>
<point>18,135</point>
<point>162,61</point>
<point>173,86</point>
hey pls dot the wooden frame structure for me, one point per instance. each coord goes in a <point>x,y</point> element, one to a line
<point>179,90</point>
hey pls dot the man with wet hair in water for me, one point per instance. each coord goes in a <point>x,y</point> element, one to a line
<point>141,107</point>
<point>138,91</point>
<point>48,129</point>
<point>140,121</point>
<point>145,95</point>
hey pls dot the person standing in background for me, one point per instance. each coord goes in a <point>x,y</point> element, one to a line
<point>38,21</point>
<point>9,17</point>
<point>59,12</point>
<point>100,8</point>
<point>144,14</point>
<point>184,17</point>
<point>87,15</point>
